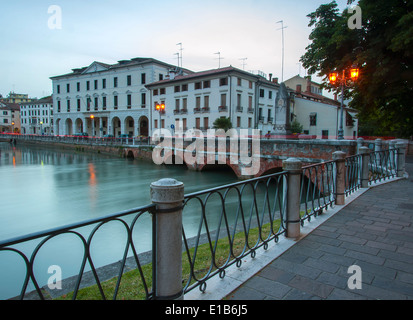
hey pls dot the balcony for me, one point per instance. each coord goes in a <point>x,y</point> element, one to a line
<point>184,111</point>
<point>250,110</point>
<point>205,109</point>
<point>239,109</point>
<point>222,108</point>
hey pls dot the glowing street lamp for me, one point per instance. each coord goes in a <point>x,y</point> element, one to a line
<point>160,107</point>
<point>346,78</point>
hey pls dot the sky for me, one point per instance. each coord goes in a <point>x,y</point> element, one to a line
<point>32,50</point>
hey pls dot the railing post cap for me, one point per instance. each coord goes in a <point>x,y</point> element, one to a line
<point>167,190</point>
<point>339,155</point>
<point>292,164</point>
<point>363,150</point>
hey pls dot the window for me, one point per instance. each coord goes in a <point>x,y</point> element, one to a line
<point>249,122</point>
<point>78,105</point>
<point>115,82</point>
<point>78,86</point>
<point>58,88</point>
<point>270,94</point>
<point>313,119</point>
<point>160,77</point>
<point>58,106</point>
<point>156,124</point>
<point>206,123</point>
<point>129,97</point>
<point>177,89</point>
<point>239,81</point>
<point>129,80</point>
<point>207,84</point>
<point>184,87</point>
<point>250,84</point>
<point>223,81</point>
<point>198,85</point>
<point>68,88</point>
<point>96,103</point>
<point>143,100</point>
<point>262,93</point>
<point>68,105</point>
<point>155,92</point>
<point>87,85</point>
<point>223,100</point>
<point>88,102</point>
<point>184,103</point>
<point>177,104</point>
<point>162,91</point>
<point>324,134</point>
<point>238,122</point>
<point>206,102</point>
<point>197,123</point>
<point>143,78</point>
<point>103,83</point>
<point>115,102</point>
<point>198,102</point>
<point>96,84</point>
<point>104,103</point>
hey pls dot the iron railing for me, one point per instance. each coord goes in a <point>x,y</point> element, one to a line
<point>317,189</point>
<point>353,174</point>
<point>382,165</point>
<point>234,221</point>
<point>128,220</point>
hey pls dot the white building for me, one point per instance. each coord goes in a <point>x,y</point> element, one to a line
<point>104,99</point>
<point>9,117</point>
<point>36,117</point>
<point>320,115</point>
<point>196,100</point>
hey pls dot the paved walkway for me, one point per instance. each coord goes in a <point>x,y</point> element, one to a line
<point>374,232</point>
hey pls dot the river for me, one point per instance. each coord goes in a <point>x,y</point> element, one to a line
<point>43,188</point>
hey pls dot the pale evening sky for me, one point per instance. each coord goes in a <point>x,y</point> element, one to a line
<point>109,30</point>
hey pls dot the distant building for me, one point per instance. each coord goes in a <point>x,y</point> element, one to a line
<point>17,98</point>
<point>196,100</point>
<point>9,117</point>
<point>320,115</point>
<point>37,117</point>
<point>106,99</point>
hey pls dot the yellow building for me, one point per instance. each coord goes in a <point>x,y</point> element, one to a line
<point>17,98</point>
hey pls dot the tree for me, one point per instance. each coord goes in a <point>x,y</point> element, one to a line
<point>222,123</point>
<point>383,50</point>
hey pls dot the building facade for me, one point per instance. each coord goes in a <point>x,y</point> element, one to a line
<point>9,117</point>
<point>37,117</point>
<point>106,100</point>
<point>320,115</point>
<point>196,100</point>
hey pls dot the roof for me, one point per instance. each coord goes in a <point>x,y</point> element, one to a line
<point>10,106</point>
<point>44,100</point>
<point>120,64</point>
<point>212,72</point>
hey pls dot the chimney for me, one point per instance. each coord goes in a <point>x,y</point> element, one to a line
<point>308,85</point>
<point>270,76</point>
<point>298,88</point>
<point>172,74</point>
<point>275,80</point>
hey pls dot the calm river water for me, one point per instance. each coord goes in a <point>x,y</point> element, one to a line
<point>44,188</point>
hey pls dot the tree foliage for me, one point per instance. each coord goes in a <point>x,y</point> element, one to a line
<point>222,123</point>
<point>383,50</point>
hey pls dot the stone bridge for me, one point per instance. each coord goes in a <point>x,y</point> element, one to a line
<point>248,158</point>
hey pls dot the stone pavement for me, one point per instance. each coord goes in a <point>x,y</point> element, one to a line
<point>374,232</point>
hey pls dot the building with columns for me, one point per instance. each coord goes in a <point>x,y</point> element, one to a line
<point>195,101</point>
<point>106,99</point>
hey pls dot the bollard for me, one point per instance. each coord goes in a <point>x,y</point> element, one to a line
<point>401,158</point>
<point>365,159</point>
<point>293,167</point>
<point>340,158</point>
<point>168,195</point>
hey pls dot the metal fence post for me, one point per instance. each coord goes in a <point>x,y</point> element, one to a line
<point>401,158</point>
<point>365,159</point>
<point>294,168</point>
<point>340,158</point>
<point>168,195</point>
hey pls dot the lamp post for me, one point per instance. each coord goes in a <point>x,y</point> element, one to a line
<point>92,118</point>
<point>342,80</point>
<point>160,107</point>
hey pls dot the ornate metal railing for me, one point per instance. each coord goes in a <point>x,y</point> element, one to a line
<point>382,165</point>
<point>234,221</point>
<point>353,172</point>
<point>128,221</point>
<point>317,189</point>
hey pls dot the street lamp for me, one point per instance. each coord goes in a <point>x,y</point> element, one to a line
<point>343,80</point>
<point>92,118</point>
<point>160,107</point>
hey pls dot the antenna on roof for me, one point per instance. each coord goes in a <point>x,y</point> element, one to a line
<point>219,59</point>
<point>282,64</point>
<point>177,54</point>
<point>243,63</point>
<point>180,44</point>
